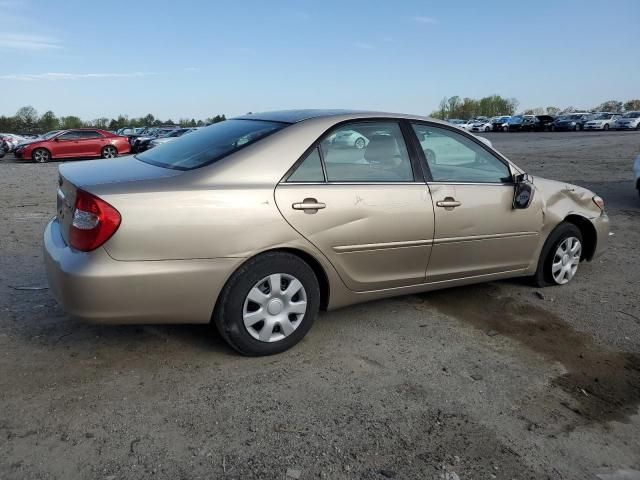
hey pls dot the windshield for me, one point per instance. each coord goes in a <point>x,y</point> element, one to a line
<point>604,116</point>
<point>632,115</point>
<point>210,144</point>
<point>50,134</point>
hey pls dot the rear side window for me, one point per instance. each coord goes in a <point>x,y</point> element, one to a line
<point>87,134</point>
<point>310,170</point>
<point>210,144</point>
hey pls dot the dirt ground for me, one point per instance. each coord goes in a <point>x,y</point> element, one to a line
<point>500,380</point>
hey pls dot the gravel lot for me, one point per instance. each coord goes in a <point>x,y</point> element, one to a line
<point>492,381</point>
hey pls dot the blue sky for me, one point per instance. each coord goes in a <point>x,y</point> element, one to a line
<point>200,58</point>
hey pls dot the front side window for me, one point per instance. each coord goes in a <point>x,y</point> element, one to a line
<point>69,136</point>
<point>367,152</point>
<point>210,144</point>
<point>88,134</point>
<point>453,157</point>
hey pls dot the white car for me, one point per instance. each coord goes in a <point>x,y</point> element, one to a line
<point>629,121</point>
<point>349,138</point>
<point>482,126</point>
<point>602,121</point>
<point>636,171</point>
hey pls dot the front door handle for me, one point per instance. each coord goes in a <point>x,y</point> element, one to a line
<point>309,205</point>
<point>448,202</point>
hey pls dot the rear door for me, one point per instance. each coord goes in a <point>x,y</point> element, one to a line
<point>477,232</point>
<point>367,209</point>
<point>90,143</point>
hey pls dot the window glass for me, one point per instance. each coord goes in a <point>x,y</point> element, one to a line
<point>69,136</point>
<point>86,134</point>
<point>454,158</point>
<point>367,152</point>
<point>208,144</point>
<point>310,170</point>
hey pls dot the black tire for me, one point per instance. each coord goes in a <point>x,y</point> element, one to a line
<point>543,277</point>
<point>41,155</point>
<point>487,129</point>
<point>109,151</point>
<point>606,127</point>
<point>228,315</point>
<point>360,143</point>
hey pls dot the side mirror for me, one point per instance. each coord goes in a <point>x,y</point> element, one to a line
<point>523,191</point>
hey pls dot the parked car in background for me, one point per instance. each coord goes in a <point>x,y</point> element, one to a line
<point>482,126</point>
<point>349,138</point>
<point>636,171</point>
<point>628,121</point>
<point>602,121</point>
<point>572,121</point>
<point>515,123</point>
<point>75,143</point>
<point>468,124</point>
<point>337,224</point>
<point>500,124</point>
<point>140,142</point>
<point>543,123</point>
<point>171,136</point>
<point>456,121</point>
<point>9,141</point>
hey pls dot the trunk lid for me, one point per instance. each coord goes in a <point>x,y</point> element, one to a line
<point>90,174</point>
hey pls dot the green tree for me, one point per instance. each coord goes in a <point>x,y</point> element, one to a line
<point>631,105</point>
<point>27,119</point>
<point>102,122</point>
<point>609,106</point>
<point>71,122</point>
<point>553,110</point>
<point>48,121</point>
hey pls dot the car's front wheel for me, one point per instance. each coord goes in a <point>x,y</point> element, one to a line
<point>41,155</point>
<point>360,143</point>
<point>109,152</point>
<point>268,305</point>
<point>606,126</point>
<point>560,256</point>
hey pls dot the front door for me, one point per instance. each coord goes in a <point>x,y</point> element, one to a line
<point>65,145</point>
<point>359,201</point>
<point>477,232</point>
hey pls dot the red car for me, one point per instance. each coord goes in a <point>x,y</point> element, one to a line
<point>76,143</point>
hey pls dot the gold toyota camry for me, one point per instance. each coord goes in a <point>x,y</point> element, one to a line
<point>255,223</point>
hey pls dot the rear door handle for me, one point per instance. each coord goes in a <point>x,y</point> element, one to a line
<point>448,202</point>
<point>309,204</point>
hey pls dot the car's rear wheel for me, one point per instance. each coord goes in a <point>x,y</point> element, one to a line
<point>360,143</point>
<point>268,305</point>
<point>41,155</point>
<point>560,256</point>
<point>109,152</point>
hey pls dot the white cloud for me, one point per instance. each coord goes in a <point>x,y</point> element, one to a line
<point>424,20</point>
<point>363,45</point>
<point>70,76</point>
<point>18,41</point>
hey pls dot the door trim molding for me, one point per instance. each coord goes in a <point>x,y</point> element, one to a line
<point>381,246</point>
<point>473,238</point>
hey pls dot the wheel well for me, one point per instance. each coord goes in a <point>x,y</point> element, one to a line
<point>321,275</point>
<point>42,148</point>
<point>589,235</point>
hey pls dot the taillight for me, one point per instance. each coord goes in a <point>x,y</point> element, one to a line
<point>94,222</point>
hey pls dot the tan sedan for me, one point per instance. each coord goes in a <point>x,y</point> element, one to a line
<point>256,223</point>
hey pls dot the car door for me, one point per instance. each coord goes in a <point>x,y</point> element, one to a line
<point>368,210</point>
<point>477,231</point>
<point>91,143</point>
<point>66,144</point>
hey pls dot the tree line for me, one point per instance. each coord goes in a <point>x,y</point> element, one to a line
<point>495,105</point>
<point>27,120</point>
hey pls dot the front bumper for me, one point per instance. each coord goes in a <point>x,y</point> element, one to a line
<point>627,126</point>
<point>601,225</point>
<point>594,127</point>
<point>93,286</point>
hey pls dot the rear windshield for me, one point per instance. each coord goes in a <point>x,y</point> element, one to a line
<point>209,144</point>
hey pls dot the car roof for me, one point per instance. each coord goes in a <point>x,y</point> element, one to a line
<point>297,116</point>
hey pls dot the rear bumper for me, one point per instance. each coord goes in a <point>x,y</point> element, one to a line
<point>94,287</point>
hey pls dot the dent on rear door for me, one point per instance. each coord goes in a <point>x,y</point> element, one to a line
<point>376,236</point>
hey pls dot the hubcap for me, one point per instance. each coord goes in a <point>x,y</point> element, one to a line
<point>566,260</point>
<point>40,156</point>
<point>109,152</point>
<point>274,307</point>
